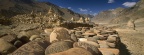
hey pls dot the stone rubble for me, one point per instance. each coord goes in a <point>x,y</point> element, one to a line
<point>97,42</point>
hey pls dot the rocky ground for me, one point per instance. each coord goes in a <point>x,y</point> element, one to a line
<point>37,42</point>
<point>98,40</point>
<point>132,40</point>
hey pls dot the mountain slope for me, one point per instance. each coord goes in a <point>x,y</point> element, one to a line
<point>122,15</point>
<point>10,8</point>
<point>107,16</point>
<point>133,13</point>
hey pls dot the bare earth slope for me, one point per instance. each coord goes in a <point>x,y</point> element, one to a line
<point>10,8</point>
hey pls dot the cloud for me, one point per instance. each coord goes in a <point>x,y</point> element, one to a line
<point>129,4</point>
<point>84,10</point>
<point>111,9</point>
<point>90,11</point>
<point>61,6</point>
<point>111,1</point>
<point>95,14</point>
<point>69,8</point>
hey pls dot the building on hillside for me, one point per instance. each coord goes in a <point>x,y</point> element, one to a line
<point>81,20</point>
<point>87,20</point>
<point>131,24</point>
<point>72,19</point>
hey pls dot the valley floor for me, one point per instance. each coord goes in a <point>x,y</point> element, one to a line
<point>132,42</point>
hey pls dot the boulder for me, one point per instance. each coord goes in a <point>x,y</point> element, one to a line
<point>111,45</point>
<point>109,51</point>
<point>103,44</point>
<point>82,39</point>
<point>90,46</point>
<point>89,33</point>
<point>59,34</point>
<point>32,48</point>
<point>6,47</point>
<point>104,52</point>
<point>87,39</point>
<point>103,32</point>
<point>37,39</point>
<point>74,51</point>
<point>18,43</point>
<point>102,37</point>
<point>23,36</point>
<point>78,34</point>
<point>111,39</point>
<point>58,47</point>
<point>27,34</point>
<point>11,38</point>
<point>78,29</point>
<point>48,31</point>
<point>33,32</point>
<point>111,32</point>
<point>83,30</point>
<point>114,39</point>
<point>33,37</point>
<point>97,31</point>
<point>92,39</point>
<point>96,37</point>
<point>115,35</point>
<point>74,38</point>
<point>71,31</point>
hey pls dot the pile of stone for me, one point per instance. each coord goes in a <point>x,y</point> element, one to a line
<point>105,39</point>
<point>62,41</point>
<point>96,41</point>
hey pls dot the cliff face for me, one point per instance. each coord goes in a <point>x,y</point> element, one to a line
<point>121,15</point>
<point>10,8</point>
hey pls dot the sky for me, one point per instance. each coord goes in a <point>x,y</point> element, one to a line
<point>92,6</point>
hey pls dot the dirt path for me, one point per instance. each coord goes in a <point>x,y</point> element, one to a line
<point>132,42</point>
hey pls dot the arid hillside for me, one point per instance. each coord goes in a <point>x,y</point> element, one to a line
<point>122,15</point>
<point>10,8</point>
<point>107,15</point>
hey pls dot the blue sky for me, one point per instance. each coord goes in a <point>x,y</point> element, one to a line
<point>92,6</point>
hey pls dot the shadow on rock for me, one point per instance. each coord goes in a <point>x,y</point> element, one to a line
<point>123,49</point>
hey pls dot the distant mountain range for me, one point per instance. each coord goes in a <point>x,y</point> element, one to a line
<point>122,15</point>
<point>87,15</point>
